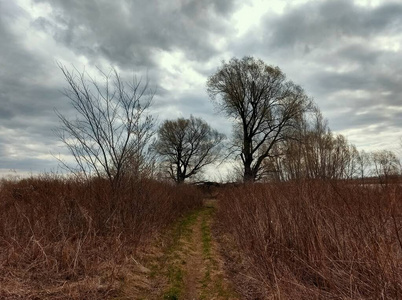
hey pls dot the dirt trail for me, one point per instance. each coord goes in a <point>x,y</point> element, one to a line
<point>194,267</point>
<point>188,266</point>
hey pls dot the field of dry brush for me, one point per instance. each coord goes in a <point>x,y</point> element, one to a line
<point>313,240</point>
<point>78,239</point>
<point>69,239</point>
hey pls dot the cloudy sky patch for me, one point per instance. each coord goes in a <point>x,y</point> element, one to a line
<point>345,54</point>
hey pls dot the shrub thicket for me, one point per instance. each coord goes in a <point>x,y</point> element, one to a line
<point>55,231</point>
<point>313,240</point>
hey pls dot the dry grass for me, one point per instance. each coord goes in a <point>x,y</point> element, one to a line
<point>67,239</point>
<point>313,240</point>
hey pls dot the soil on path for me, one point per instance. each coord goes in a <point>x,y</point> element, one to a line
<point>194,262</point>
<point>185,264</point>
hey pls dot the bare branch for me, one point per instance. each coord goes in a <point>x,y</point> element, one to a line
<point>112,127</point>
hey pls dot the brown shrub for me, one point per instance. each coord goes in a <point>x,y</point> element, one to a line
<point>313,240</point>
<point>55,231</point>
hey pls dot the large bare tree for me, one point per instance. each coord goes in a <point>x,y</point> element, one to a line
<point>267,108</point>
<point>187,145</point>
<point>112,126</point>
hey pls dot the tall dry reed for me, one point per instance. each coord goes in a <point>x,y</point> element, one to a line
<point>313,240</point>
<point>55,231</point>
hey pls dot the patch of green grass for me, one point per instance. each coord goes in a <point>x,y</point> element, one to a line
<point>175,273</point>
<point>175,276</point>
<point>183,229</point>
<point>207,278</point>
<point>206,234</point>
<point>172,294</point>
<point>206,249</point>
<point>154,270</point>
<point>216,287</point>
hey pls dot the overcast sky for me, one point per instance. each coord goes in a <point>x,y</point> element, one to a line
<point>346,54</point>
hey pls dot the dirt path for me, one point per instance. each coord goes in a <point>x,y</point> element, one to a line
<point>194,262</point>
<point>187,266</point>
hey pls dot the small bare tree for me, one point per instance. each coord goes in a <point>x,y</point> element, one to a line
<point>316,153</point>
<point>364,163</point>
<point>187,145</point>
<point>386,164</point>
<point>112,125</point>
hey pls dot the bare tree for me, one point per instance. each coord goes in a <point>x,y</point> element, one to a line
<point>386,164</point>
<point>364,163</point>
<point>112,124</point>
<point>316,153</point>
<point>266,107</point>
<point>187,145</point>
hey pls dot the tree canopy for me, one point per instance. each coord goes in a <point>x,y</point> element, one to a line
<point>267,108</point>
<point>187,145</point>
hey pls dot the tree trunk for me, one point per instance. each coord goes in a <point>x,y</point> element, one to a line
<point>180,179</point>
<point>249,175</point>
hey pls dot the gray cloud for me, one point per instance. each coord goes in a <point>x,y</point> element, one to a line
<point>129,32</point>
<point>27,118</point>
<point>337,50</point>
<point>32,165</point>
<point>317,23</point>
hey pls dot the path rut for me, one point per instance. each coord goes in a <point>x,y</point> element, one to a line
<point>189,267</point>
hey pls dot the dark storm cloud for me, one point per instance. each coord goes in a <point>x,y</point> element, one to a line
<point>130,33</point>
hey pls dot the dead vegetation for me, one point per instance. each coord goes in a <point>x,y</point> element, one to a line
<point>76,239</point>
<point>313,240</point>
<point>68,238</point>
